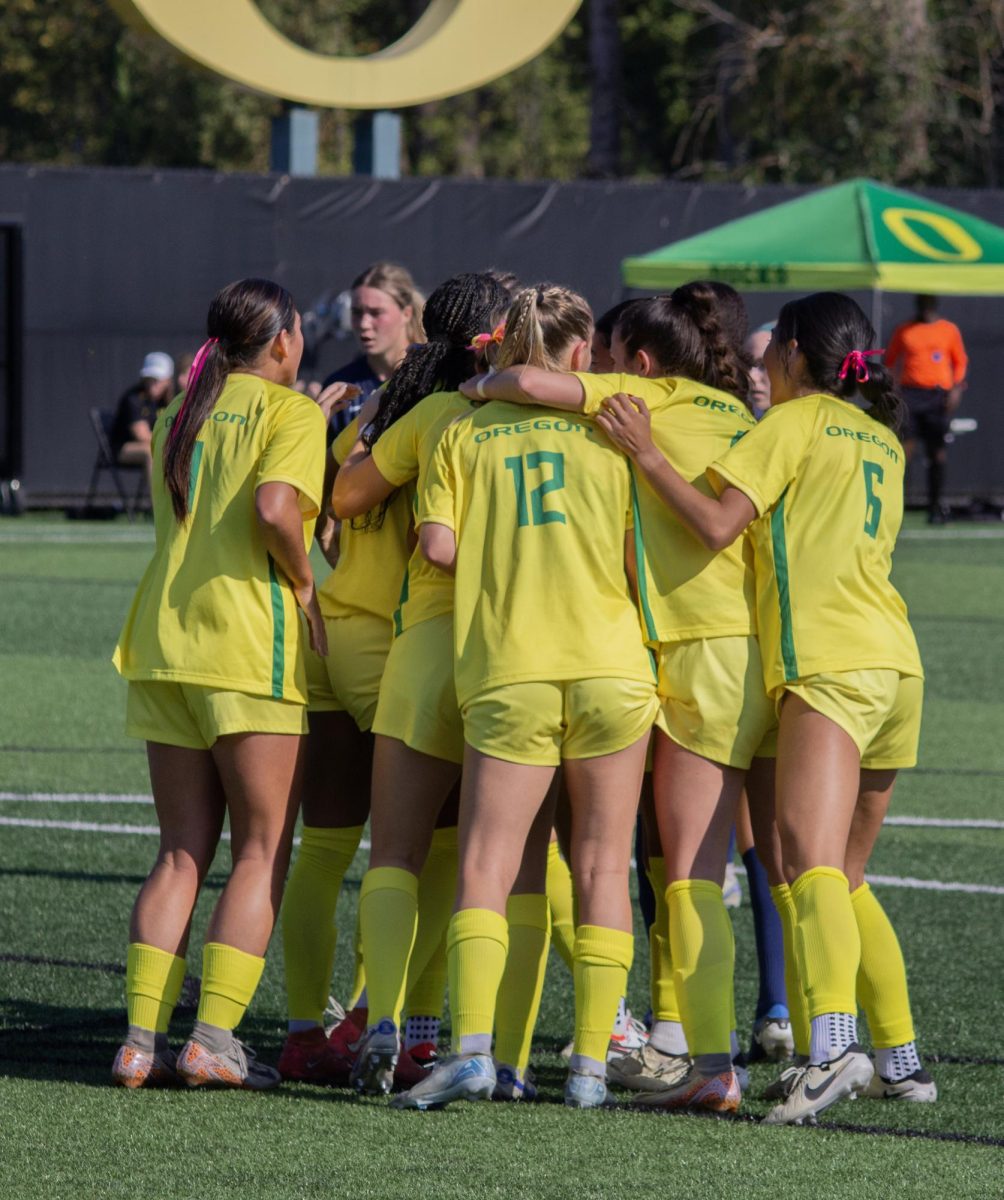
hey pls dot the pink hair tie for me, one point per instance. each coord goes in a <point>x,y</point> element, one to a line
<point>193,376</point>
<point>856,361</point>
<point>483,340</point>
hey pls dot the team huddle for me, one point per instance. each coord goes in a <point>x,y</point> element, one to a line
<point>573,578</point>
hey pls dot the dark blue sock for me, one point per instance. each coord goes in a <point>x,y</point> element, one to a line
<point>772,1000</point>
<point>646,897</point>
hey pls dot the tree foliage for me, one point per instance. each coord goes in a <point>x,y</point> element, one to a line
<point>745,90</point>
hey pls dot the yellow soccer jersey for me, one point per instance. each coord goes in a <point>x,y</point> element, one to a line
<point>372,558</point>
<point>212,607</point>
<point>402,454</point>
<point>540,504</point>
<point>827,482</point>
<point>685,590</point>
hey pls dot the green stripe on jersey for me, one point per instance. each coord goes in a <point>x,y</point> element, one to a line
<point>193,473</point>
<point>278,632</point>
<point>402,600</point>
<point>783,589</point>
<point>639,554</point>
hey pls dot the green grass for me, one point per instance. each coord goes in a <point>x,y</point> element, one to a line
<point>65,898</point>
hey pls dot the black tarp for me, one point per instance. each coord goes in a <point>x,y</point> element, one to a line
<point>120,262</point>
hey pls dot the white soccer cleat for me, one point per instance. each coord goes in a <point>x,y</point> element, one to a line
<point>918,1087</point>
<point>819,1087</point>
<point>460,1077</point>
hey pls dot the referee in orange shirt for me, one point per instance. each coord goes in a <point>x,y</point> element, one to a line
<point>929,363</point>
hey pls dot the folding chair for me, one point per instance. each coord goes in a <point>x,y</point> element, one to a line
<point>102,421</point>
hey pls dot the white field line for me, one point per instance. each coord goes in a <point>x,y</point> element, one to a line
<point>145,798</point>
<point>954,534</point>
<point>932,885</point>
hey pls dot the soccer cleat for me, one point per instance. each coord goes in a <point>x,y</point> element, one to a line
<point>780,1088</point>
<point>459,1077</point>
<point>235,1067</point>
<point>333,1016</point>
<point>819,1087</point>
<point>732,892</point>
<point>772,1040</point>
<point>633,1037</point>
<point>696,1092</point>
<point>312,1057</point>
<point>408,1070</point>
<point>510,1085</point>
<point>583,1090</point>
<point>740,1067</point>
<point>135,1068</point>
<point>918,1087</point>
<point>425,1053</point>
<point>373,1071</point>
<point>647,1069</point>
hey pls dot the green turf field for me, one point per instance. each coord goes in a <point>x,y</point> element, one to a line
<point>70,867</point>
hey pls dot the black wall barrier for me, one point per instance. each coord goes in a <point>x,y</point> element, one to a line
<point>120,262</point>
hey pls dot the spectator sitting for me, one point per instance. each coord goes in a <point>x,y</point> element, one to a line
<point>386,319</point>
<point>137,410</point>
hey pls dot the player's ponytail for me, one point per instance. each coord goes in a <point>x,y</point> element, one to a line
<point>837,342</point>
<point>540,326</point>
<point>719,313</point>
<point>669,335</point>
<point>244,318</point>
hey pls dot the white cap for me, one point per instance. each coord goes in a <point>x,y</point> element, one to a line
<point>157,365</point>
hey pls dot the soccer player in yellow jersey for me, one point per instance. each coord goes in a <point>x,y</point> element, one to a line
<point>214,653</point>
<point>697,608</point>
<point>531,511</point>
<point>820,483</point>
<point>359,601</point>
<point>419,736</point>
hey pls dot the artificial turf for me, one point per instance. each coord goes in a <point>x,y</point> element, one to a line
<point>65,896</point>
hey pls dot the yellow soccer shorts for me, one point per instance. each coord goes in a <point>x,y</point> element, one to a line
<point>348,680</point>
<point>880,710</point>
<point>418,697</point>
<point>189,715</point>
<point>539,724</point>
<point>713,700</point>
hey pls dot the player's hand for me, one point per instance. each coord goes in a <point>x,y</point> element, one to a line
<point>306,597</point>
<point>337,396</point>
<point>627,423</point>
<point>469,387</point>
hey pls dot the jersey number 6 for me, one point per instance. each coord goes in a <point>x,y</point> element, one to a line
<point>873,504</point>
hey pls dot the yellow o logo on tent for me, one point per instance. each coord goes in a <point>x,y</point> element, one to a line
<point>454,46</point>
<point>902,222</point>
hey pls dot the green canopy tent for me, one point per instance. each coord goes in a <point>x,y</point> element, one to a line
<point>855,236</point>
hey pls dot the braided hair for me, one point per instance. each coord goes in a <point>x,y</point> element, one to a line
<point>719,313</point>
<point>542,322</point>
<point>827,326</point>
<point>455,313</point>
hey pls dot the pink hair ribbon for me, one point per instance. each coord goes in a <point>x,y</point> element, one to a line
<point>855,361</point>
<point>193,376</point>
<point>483,340</point>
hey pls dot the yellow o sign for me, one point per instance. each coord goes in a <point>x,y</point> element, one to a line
<point>902,223</point>
<point>455,45</point>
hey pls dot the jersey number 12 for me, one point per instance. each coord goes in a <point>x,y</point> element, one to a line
<point>535,513</point>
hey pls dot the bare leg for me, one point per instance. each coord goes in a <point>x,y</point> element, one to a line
<point>336,775</point>
<point>190,807</point>
<point>261,776</point>
<point>409,790</point>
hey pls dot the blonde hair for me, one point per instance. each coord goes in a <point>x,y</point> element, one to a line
<point>396,282</point>
<point>541,323</point>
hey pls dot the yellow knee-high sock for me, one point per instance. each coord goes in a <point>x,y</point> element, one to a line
<point>357,994</point>
<point>153,985</point>
<point>477,945</point>
<point>519,992</point>
<point>703,953</point>
<point>881,985</point>
<point>797,1009</point>
<point>663,988</point>
<point>603,959</point>
<point>388,916</point>
<point>309,933</point>
<point>827,943</point>
<point>229,980</point>
<point>437,886</point>
<point>561,901</point>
